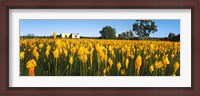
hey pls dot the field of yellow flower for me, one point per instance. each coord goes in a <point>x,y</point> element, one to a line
<point>95,57</point>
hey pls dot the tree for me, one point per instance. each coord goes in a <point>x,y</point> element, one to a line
<point>108,32</point>
<point>120,36</point>
<point>131,34</point>
<point>171,35</point>
<point>143,28</point>
<point>126,35</point>
<point>30,35</point>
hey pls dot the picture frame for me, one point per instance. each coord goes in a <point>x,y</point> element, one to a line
<point>89,4</point>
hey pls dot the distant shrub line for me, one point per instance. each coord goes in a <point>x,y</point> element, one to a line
<point>175,38</point>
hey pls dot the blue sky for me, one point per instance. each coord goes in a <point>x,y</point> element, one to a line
<point>91,27</point>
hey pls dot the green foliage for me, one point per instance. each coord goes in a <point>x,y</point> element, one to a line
<point>108,32</point>
<point>171,35</point>
<point>143,28</point>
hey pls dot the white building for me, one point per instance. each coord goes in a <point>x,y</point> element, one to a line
<point>117,35</point>
<point>69,35</point>
<point>75,35</point>
<point>65,35</point>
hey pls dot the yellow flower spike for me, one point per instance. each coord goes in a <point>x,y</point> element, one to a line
<point>140,48</point>
<point>73,50</point>
<point>158,65</point>
<point>56,53</point>
<point>35,54</point>
<point>145,52</point>
<point>147,57</point>
<point>113,53</point>
<point>118,66</point>
<point>172,56</point>
<point>110,48</point>
<point>156,56</point>
<point>138,63</point>
<point>41,46</point>
<point>85,57</point>
<point>31,64</point>
<point>126,63</point>
<point>47,53</point>
<point>48,47</point>
<point>31,71</point>
<point>60,51</point>
<point>122,50</point>
<point>132,56</point>
<point>173,74</point>
<point>82,53</point>
<point>58,43</point>
<point>110,62</point>
<point>151,68</point>
<point>91,60</point>
<point>176,66</point>
<point>108,69</point>
<point>71,60</point>
<point>65,52</point>
<point>151,47</point>
<point>123,72</point>
<point>22,55</point>
<point>104,72</point>
<point>165,60</point>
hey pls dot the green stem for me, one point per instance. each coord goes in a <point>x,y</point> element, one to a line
<point>81,69</point>
<point>86,69</point>
<point>48,68</point>
<point>56,68</point>
<point>70,70</point>
<point>98,67</point>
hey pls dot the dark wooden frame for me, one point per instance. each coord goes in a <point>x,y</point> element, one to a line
<point>100,4</point>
